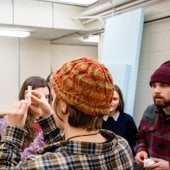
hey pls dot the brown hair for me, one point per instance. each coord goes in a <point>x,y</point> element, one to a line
<point>35,82</point>
<point>78,119</point>
<point>48,82</point>
<point>120,107</point>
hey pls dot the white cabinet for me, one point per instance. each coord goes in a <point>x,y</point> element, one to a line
<point>6,14</point>
<point>33,13</point>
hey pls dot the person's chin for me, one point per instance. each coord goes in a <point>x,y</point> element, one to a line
<point>161,104</point>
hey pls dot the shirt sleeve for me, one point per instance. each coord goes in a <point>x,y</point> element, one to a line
<point>141,134</point>
<point>132,132</point>
<point>10,147</point>
<point>50,130</point>
<point>124,154</point>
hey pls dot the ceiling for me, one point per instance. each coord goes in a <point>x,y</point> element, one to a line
<point>92,25</point>
<point>93,18</point>
<point>74,2</point>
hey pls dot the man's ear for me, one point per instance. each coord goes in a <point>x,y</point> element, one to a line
<point>63,107</point>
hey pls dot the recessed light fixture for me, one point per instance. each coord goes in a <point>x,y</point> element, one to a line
<point>13,33</point>
<point>74,2</point>
<point>91,38</point>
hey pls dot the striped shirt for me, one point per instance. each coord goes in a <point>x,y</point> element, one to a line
<point>114,154</point>
<point>154,133</point>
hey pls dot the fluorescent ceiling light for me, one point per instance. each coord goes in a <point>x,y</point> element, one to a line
<point>91,38</point>
<point>75,2</point>
<point>13,33</point>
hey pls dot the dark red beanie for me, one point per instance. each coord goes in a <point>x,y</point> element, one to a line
<point>162,74</point>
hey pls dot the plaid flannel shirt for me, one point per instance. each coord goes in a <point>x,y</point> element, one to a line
<point>154,133</point>
<point>115,153</point>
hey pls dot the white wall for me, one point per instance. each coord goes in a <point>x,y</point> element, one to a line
<point>62,53</point>
<point>35,58</point>
<point>155,50</point>
<point>19,59</point>
<point>8,71</point>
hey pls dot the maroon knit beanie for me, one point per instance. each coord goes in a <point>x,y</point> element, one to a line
<point>162,74</point>
<point>85,84</point>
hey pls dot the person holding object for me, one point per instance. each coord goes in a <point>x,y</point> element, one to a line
<point>82,91</point>
<point>153,137</point>
<point>31,125</point>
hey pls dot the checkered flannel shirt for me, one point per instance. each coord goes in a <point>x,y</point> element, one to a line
<point>114,154</point>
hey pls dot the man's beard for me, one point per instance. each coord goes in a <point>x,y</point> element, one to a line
<point>161,102</point>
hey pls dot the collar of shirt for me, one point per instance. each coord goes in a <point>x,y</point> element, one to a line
<point>115,116</point>
<point>77,147</point>
<point>161,112</point>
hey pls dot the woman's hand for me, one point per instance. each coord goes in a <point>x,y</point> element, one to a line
<point>39,104</point>
<point>17,114</point>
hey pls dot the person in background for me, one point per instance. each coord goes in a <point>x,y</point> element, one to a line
<point>119,122</point>
<point>41,85</point>
<point>153,138</point>
<point>82,91</point>
<point>31,125</point>
<point>39,140</point>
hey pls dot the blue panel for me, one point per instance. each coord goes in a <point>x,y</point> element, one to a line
<point>121,50</point>
<point>120,73</point>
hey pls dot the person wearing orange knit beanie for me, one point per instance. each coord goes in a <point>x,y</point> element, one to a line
<point>82,91</point>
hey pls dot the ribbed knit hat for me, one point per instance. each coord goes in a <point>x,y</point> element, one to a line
<point>85,84</point>
<point>162,74</point>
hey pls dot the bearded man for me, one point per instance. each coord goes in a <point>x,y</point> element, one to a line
<point>153,138</point>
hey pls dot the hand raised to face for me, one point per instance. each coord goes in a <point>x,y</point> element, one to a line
<point>40,104</point>
<point>18,113</point>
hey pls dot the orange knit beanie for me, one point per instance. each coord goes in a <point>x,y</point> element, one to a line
<point>85,84</point>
